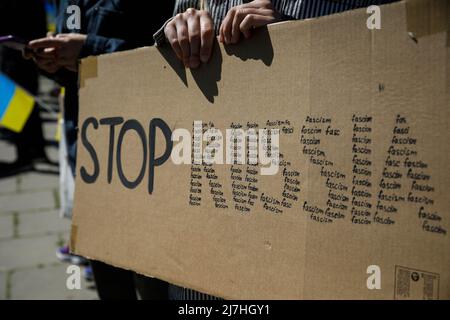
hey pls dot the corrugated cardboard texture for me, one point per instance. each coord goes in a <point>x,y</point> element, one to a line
<point>364,119</point>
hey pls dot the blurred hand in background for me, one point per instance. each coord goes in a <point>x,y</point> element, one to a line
<point>54,52</point>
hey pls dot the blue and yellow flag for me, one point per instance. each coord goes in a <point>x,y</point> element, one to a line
<point>50,11</point>
<point>15,105</point>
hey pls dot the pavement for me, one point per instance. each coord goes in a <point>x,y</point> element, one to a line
<point>31,230</point>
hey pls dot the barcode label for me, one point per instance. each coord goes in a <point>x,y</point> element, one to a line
<point>415,284</point>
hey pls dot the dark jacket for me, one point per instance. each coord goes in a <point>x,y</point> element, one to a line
<point>24,19</point>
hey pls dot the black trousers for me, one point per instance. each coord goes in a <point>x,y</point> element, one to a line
<point>119,284</point>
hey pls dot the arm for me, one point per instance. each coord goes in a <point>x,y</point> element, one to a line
<point>95,45</point>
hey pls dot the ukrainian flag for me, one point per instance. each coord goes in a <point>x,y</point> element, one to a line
<point>15,105</point>
<point>50,10</point>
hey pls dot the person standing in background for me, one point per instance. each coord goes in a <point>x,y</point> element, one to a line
<point>106,26</point>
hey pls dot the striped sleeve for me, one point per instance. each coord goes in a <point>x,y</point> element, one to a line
<point>305,9</point>
<point>288,9</point>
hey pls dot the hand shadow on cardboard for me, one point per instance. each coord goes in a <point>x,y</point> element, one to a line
<point>168,54</point>
<point>207,76</point>
<point>257,47</point>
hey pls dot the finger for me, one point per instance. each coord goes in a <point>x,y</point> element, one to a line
<point>73,67</point>
<point>27,53</point>
<point>206,37</point>
<point>252,21</point>
<point>46,43</point>
<point>225,21</point>
<point>230,25</point>
<point>221,38</point>
<point>227,24</point>
<point>66,58</point>
<point>50,68</point>
<point>193,24</point>
<point>171,35</point>
<point>221,30</point>
<point>48,53</point>
<point>260,4</point>
<point>183,40</point>
<point>63,60</point>
<point>238,17</point>
<point>43,61</point>
<point>48,65</point>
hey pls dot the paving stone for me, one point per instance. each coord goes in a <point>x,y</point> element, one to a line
<point>6,226</point>
<point>2,285</point>
<point>48,282</point>
<point>27,201</point>
<point>45,85</point>
<point>28,251</point>
<point>33,181</point>
<point>46,222</point>
<point>49,130</point>
<point>7,152</point>
<point>27,205</point>
<point>8,185</point>
<point>52,153</point>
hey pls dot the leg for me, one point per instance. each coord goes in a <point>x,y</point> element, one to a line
<point>113,283</point>
<point>151,288</point>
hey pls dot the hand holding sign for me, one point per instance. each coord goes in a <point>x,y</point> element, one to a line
<point>191,36</point>
<point>243,18</point>
<point>62,50</point>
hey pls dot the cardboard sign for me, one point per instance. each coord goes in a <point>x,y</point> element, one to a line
<point>358,206</point>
